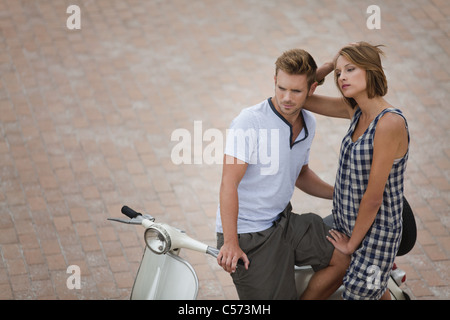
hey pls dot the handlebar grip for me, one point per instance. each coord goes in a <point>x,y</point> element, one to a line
<point>241,262</point>
<point>130,213</point>
<point>215,252</point>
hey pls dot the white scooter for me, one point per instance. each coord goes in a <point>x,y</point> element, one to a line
<point>164,275</point>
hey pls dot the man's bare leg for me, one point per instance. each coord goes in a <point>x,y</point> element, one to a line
<point>326,281</point>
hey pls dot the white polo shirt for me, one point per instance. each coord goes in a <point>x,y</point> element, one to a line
<point>262,137</point>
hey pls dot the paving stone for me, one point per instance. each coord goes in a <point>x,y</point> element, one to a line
<point>86,118</point>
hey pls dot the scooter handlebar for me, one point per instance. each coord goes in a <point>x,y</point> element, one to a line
<point>130,213</point>
<point>215,252</point>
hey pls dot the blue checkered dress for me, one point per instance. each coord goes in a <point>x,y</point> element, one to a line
<point>372,262</point>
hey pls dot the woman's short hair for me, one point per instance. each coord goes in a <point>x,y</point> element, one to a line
<point>367,56</point>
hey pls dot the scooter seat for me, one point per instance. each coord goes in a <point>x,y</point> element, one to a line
<point>409,234</point>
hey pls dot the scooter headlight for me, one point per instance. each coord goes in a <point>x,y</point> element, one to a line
<point>157,239</point>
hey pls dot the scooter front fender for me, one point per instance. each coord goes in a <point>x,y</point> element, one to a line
<point>164,277</point>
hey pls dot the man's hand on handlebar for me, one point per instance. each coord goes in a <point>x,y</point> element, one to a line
<point>229,256</point>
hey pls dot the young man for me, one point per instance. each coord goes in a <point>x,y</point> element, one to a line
<point>266,156</point>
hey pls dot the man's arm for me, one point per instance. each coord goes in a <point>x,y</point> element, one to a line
<point>230,253</point>
<point>308,181</point>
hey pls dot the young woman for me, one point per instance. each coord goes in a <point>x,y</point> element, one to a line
<point>368,192</point>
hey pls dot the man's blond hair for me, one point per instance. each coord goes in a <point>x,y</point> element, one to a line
<point>297,61</point>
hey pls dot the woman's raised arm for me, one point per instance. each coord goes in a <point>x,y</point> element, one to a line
<point>329,106</point>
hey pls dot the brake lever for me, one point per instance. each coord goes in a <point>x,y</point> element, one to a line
<point>136,220</point>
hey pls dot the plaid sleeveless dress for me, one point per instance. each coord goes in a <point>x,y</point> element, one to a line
<point>371,263</point>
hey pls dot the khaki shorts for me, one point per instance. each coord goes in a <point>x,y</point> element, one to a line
<point>293,240</point>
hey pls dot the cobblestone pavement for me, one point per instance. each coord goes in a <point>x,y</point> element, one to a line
<point>87,117</point>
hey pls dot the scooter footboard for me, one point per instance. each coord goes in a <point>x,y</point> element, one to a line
<point>164,277</point>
